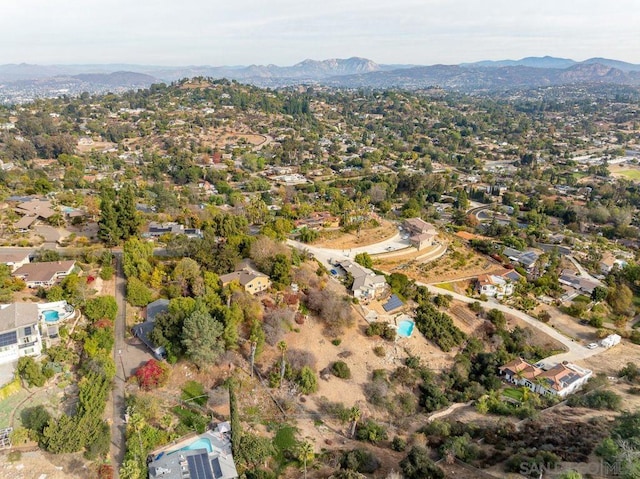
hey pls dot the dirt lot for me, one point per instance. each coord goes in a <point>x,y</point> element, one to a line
<point>459,262</point>
<point>340,240</point>
<point>220,138</point>
<point>613,359</point>
<point>40,465</point>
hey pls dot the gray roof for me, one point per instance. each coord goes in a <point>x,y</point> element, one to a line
<point>16,315</point>
<point>157,307</point>
<point>13,255</point>
<point>45,271</point>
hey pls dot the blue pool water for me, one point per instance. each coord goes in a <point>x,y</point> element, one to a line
<point>405,328</point>
<point>202,443</point>
<point>51,316</point>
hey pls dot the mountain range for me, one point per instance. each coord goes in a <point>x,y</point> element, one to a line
<point>530,72</point>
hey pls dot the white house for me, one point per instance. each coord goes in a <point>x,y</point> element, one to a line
<point>610,341</point>
<point>45,273</point>
<point>366,284</point>
<point>19,332</point>
<point>560,380</point>
<point>495,286</point>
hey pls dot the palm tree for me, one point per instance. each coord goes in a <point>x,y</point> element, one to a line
<point>354,417</point>
<point>282,347</point>
<point>305,453</point>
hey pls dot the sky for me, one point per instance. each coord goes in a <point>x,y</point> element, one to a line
<point>284,32</point>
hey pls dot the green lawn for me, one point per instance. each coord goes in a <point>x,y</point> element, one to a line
<point>513,394</point>
<point>447,286</point>
<point>9,404</point>
<point>631,174</point>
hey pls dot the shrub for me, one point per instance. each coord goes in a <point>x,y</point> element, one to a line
<point>307,380</point>
<point>398,444</point>
<point>380,351</point>
<point>341,370</point>
<point>101,307</point>
<point>371,431</point>
<point>360,461</point>
<point>153,374</point>
<point>107,272</point>
<point>597,400</point>
<point>30,371</point>
<point>384,330</point>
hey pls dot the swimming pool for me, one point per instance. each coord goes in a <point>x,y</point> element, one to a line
<point>51,316</point>
<point>202,443</point>
<point>405,328</point>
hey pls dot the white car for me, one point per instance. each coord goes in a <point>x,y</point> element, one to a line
<point>592,345</point>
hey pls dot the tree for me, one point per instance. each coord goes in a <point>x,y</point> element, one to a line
<point>621,299</point>
<point>254,450</point>
<point>137,292</point>
<point>417,465</point>
<point>108,229</point>
<point>30,371</point>
<point>304,453</point>
<point>127,215</point>
<point>364,259</point>
<point>153,374</point>
<point>354,417</point>
<point>281,271</point>
<point>187,275</point>
<point>101,307</point>
<point>202,337</point>
<point>599,293</point>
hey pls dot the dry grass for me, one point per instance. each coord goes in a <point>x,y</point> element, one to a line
<point>340,240</point>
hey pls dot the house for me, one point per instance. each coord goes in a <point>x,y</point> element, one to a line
<point>417,226</point>
<point>143,330</point>
<point>24,223</point>
<point>318,220</point>
<point>171,228</point>
<point>14,258</point>
<point>560,380</point>
<point>213,460</point>
<point>610,341</point>
<point>366,284</point>
<point>422,234</point>
<point>44,274</point>
<point>609,263</point>
<point>498,286</point>
<point>251,280</point>
<point>36,207</point>
<point>581,283</point>
<point>19,331</point>
<point>527,259</point>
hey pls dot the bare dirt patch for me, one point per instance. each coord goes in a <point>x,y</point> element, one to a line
<point>367,236</point>
<point>38,464</point>
<point>613,359</point>
<point>220,138</point>
<point>459,262</point>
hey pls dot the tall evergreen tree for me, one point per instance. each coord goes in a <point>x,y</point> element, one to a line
<point>126,212</point>
<point>108,230</point>
<point>202,337</point>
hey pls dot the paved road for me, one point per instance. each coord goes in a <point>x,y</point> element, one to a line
<point>117,425</point>
<point>575,351</point>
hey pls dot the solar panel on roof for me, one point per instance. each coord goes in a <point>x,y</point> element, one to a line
<point>215,465</point>
<point>393,303</point>
<point>7,339</point>
<point>27,331</point>
<point>199,467</point>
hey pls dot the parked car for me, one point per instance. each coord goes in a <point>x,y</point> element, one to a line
<point>592,345</point>
<point>334,272</point>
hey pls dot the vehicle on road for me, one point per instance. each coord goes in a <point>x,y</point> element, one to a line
<point>334,272</point>
<point>592,345</point>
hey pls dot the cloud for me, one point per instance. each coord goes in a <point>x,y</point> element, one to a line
<point>287,31</point>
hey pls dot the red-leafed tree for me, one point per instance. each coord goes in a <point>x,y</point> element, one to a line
<point>153,374</point>
<point>105,471</point>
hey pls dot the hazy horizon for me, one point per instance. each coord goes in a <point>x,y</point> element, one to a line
<point>245,32</point>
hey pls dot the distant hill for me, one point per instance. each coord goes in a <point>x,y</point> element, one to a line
<point>534,62</point>
<point>22,82</point>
